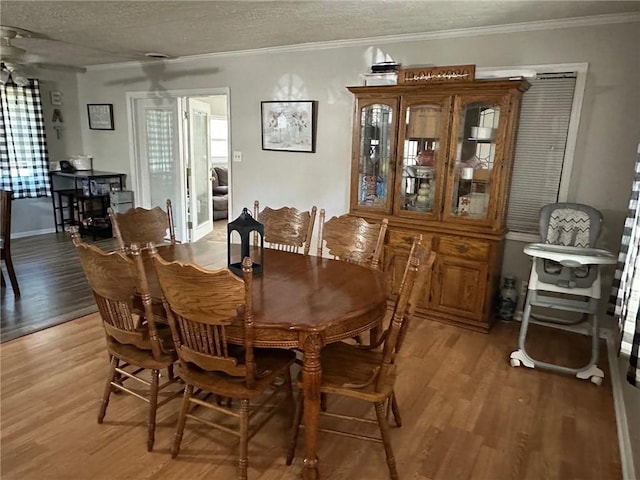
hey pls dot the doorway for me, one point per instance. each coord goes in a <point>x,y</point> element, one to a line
<point>174,151</point>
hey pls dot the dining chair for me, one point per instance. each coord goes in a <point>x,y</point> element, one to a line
<point>201,305</point>
<point>352,239</point>
<point>368,373</point>
<point>135,345</point>
<point>286,228</point>
<point>6,197</point>
<point>140,225</point>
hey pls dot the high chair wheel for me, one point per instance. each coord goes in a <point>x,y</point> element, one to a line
<point>596,380</point>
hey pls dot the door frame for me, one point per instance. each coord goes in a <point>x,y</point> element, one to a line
<point>135,183</point>
<point>197,230</point>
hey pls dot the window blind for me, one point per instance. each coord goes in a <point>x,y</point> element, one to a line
<point>540,149</point>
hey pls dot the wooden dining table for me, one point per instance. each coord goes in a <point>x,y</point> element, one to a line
<point>302,302</point>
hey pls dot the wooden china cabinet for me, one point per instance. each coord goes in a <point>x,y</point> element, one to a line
<point>436,159</point>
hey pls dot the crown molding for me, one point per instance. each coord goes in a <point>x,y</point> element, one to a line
<point>409,37</point>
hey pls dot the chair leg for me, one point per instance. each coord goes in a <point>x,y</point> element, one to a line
<point>386,440</point>
<point>153,407</point>
<point>107,389</point>
<point>323,402</point>
<point>117,378</point>
<point>296,428</point>
<point>290,397</point>
<point>188,391</point>
<point>12,276</point>
<point>395,409</point>
<point>244,438</point>
<point>520,356</point>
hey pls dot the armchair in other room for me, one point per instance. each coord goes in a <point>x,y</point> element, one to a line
<point>220,179</point>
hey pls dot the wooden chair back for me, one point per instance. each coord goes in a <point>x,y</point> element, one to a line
<point>200,305</point>
<point>422,283</point>
<point>419,266</point>
<point>6,198</point>
<point>352,239</point>
<point>286,228</point>
<point>140,225</point>
<point>114,279</point>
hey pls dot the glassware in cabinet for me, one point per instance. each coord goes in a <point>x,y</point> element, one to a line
<point>375,156</point>
<point>421,149</point>
<point>475,159</point>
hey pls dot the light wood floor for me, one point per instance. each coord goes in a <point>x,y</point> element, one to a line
<point>466,412</point>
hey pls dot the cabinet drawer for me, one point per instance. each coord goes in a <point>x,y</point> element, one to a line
<point>463,247</point>
<point>400,238</point>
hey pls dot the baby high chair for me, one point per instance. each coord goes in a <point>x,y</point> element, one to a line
<point>565,263</point>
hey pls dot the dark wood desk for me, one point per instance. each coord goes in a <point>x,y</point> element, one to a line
<point>79,195</point>
<point>300,302</point>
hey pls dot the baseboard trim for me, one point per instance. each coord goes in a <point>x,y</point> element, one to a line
<point>622,424</point>
<point>33,233</point>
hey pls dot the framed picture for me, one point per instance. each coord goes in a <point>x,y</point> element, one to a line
<point>289,126</point>
<point>100,116</point>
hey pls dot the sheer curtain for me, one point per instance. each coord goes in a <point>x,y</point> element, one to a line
<point>24,162</point>
<point>627,283</point>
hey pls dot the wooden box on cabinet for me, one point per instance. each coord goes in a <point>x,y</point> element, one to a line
<point>456,200</point>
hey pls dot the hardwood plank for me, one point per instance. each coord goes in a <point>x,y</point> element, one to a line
<point>461,420</point>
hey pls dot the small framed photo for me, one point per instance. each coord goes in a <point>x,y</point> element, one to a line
<point>289,126</point>
<point>100,116</point>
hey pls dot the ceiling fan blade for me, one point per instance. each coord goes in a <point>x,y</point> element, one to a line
<point>11,73</point>
<point>20,55</point>
<point>10,32</point>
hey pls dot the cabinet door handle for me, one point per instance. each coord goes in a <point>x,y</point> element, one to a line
<point>408,240</point>
<point>462,248</point>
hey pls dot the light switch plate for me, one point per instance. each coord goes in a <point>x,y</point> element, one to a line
<point>237,156</point>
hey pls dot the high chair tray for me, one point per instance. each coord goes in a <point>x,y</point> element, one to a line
<point>565,254</point>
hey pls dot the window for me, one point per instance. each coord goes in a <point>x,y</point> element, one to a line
<point>23,146</point>
<point>540,150</point>
<point>219,139</point>
<point>545,147</point>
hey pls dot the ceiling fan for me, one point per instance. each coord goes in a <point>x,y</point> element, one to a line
<point>15,62</point>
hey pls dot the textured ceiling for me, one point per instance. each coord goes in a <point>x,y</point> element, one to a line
<point>90,33</point>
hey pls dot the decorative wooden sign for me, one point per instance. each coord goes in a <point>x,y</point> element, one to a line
<point>452,73</point>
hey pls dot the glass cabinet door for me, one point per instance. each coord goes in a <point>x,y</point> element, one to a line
<point>376,155</point>
<point>477,149</point>
<point>421,149</point>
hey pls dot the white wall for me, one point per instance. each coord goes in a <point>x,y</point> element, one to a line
<point>608,132</point>
<point>605,153</point>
